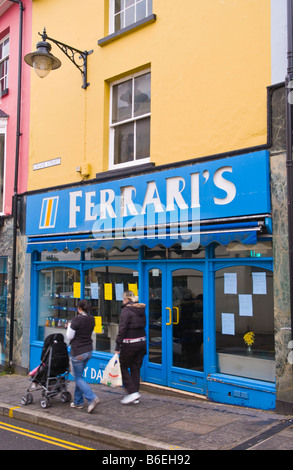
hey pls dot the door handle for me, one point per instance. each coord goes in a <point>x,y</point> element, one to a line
<point>177,316</point>
<point>170,316</point>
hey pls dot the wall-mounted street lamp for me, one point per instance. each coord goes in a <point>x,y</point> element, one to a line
<point>43,61</point>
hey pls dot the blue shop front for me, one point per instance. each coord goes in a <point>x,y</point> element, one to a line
<point>194,242</point>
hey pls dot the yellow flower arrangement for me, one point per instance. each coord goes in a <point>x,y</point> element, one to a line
<point>249,338</point>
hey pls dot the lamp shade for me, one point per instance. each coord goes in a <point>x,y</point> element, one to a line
<point>42,60</point>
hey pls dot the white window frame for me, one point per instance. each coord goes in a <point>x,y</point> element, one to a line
<point>112,15</point>
<point>5,59</point>
<point>141,161</point>
<point>3,131</point>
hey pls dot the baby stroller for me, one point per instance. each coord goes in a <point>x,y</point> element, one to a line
<point>52,374</point>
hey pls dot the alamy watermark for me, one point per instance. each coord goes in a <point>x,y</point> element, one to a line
<point>152,222</point>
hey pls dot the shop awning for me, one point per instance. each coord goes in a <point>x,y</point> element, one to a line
<point>243,232</point>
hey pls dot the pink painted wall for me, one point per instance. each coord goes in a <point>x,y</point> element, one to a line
<point>8,103</point>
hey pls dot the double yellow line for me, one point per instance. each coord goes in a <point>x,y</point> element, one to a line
<point>42,437</point>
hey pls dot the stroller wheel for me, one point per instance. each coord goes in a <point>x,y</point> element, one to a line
<point>45,402</point>
<point>27,399</point>
<point>65,396</point>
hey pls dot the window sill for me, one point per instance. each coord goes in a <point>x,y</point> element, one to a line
<point>125,172</point>
<point>123,32</point>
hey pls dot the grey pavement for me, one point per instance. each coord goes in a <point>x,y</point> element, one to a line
<point>161,421</point>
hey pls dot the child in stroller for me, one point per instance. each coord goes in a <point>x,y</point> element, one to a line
<point>52,374</point>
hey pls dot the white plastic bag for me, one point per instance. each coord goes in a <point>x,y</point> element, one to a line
<point>112,373</point>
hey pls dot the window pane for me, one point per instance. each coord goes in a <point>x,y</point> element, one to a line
<point>3,306</point>
<point>2,77</point>
<point>124,143</point>
<point>119,5</point>
<point>122,102</point>
<point>130,100</point>
<point>64,255</point>
<point>128,3</point>
<point>141,10</point>
<point>112,254</point>
<point>142,95</point>
<point>57,306</point>
<point>6,48</point>
<point>187,289</point>
<point>118,21</point>
<point>155,316</point>
<point>263,249</point>
<point>129,16</point>
<point>150,7</point>
<point>106,303</point>
<point>158,252</point>
<point>143,138</point>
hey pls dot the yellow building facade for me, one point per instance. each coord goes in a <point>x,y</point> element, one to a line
<point>155,178</point>
<point>210,64</point>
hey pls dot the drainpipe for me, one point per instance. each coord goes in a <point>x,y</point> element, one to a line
<point>15,190</point>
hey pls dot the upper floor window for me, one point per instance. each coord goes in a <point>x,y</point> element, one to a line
<point>124,13</point>
<point>4,60</point>
<point>130,121</point>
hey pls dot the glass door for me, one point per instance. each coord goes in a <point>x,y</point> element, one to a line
<point>174,301</point>
<point>187,305</point>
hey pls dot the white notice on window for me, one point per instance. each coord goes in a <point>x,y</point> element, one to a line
<point>94,290</point>
<point>119,289</point>
<point>259,281</point>
<point>228,324</point>
<point>230,283</point>
<point>245,306</point>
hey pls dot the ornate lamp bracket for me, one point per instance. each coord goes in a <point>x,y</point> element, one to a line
<point>77,57</point>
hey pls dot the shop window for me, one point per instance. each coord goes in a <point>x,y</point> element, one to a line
<point>175,252</point>
<point>104,287</point>
<point>244,303</point>
<point>64,255</point>
<point>112,254</point>
<point>130,121</point>
<point>124,13</point>
<point>4,61</point>
<point>59,293</point>
<point>263,249</point>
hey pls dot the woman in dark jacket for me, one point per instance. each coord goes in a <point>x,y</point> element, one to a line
<point>131,345</point>
<point>79,332</point>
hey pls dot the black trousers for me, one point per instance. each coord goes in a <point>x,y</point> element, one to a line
<point>131,357</point>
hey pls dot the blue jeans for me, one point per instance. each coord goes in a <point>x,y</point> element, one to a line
<point>82,388</point>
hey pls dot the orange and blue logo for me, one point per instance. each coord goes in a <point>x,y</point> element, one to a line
<point>49,212</point>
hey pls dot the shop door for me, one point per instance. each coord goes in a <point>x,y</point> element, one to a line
<point>174,298</point>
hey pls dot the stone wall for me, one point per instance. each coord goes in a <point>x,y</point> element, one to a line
<point>6,240</point>
<point>282,317</point>
<point>6,252</point>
